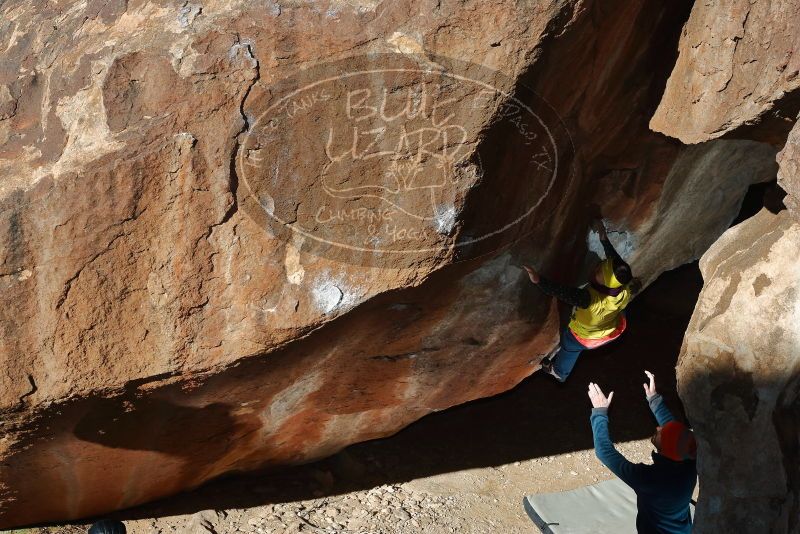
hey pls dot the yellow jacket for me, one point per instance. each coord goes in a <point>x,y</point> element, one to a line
<point>601,317</point>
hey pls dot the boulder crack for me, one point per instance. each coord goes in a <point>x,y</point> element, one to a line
<point>233,177</point>
<point>33,389</point>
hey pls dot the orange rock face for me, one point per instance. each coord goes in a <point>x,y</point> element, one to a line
<point>240,235</point>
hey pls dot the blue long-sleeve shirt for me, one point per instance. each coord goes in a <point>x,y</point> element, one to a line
<point>663,490</point>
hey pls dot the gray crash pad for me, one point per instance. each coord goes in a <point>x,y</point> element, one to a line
<point>609,506</point>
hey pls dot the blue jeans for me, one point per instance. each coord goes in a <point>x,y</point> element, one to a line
<point>567,355</point>
<point>571,348</point>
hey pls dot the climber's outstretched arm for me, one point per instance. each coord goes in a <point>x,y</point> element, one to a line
<point>657,406</point>
<point>610,251</point>
<point>574,296</point>
<point>599,227</point>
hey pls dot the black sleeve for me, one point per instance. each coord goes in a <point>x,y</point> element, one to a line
<point>574,296</point>
<point>610,252</point>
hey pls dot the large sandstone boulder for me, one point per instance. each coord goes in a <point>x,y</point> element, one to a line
<point>739,378</point>
<point>738,73</point>
<point>228,242</point>
<point>737,76</point>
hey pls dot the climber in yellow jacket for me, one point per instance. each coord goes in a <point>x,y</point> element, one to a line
<point>597,316</point>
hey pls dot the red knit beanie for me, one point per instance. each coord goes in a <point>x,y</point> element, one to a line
<point>677,442</point>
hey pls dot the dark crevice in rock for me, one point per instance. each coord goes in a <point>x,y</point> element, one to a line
<point>786,419</point>
<point>33,390</point>
<point>233,177</point>
<point>404,356</point>
<point>767,195</point>
<point>774,125</point>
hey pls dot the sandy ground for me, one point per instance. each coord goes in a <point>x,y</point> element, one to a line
<point>480,501</point>
<point>462,470</point>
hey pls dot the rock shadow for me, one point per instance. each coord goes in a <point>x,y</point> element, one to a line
<point>538,418</point>
<point>149,424</point>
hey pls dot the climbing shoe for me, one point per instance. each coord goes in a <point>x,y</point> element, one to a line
<point>547,366</point>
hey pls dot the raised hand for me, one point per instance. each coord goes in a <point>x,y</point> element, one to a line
<point>598,398</point>
<point>532,274</point>
<point>650,389</point>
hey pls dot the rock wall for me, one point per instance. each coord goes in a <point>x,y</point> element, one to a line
<point>739,371</point>
<point>789,170</point>
<point>738,73</point>
<point>177,302</point>
<point>739,378</point>
<point>737,76</point>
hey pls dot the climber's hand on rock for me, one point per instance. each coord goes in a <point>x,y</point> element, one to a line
<point>598,398</point>
<point>532,274</point>
<point>650,389</point>
<point>599,227</point>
